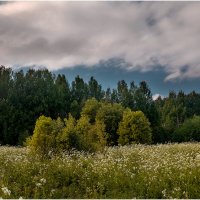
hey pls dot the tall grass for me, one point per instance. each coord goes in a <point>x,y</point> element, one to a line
<point>137,171</point>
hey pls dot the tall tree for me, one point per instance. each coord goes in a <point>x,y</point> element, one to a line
<point>79,93</point>
<point>5,110</point>
<point>110,115</point>
<point>5,81</point>
<point>114,96</point>
<point>134,128</point>
<point>79,90</point>
<point>144,102</point>
<point>123,93</point>
<point>132,91</point>
<point>32,95</point>
<point>90,109</point>
<point>173,112</point>
<point>63,96</point>
<point>192,103</point>
<point>94,89</point>
<point>107,96</point>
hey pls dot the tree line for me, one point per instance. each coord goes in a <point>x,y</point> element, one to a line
<point>26,96</point>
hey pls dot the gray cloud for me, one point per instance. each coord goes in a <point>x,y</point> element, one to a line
<point>58,34</point>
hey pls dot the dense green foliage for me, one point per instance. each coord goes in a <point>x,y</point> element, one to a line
<point>189,130</point>
<point>134,128</point>
<point>44,139</point>
<point>177,111</point>
<point>128,172</point>
<point>110,115</point>
<point>54,136</point>
<point>25,96</point>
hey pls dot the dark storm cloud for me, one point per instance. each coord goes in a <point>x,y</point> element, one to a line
<point>58,34</point>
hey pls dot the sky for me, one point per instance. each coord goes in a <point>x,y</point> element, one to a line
<point>153,41</point>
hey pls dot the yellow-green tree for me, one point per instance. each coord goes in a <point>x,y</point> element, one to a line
<point>44,136</point>
<point>92,136</point>
<point>134,128</point>
<point>68,138</point>
<point>91,108</point>
<point>110,115</point>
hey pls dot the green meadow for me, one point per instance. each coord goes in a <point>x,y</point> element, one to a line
<point>136,171</point>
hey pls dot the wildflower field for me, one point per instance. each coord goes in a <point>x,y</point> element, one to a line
<point>137,171</point>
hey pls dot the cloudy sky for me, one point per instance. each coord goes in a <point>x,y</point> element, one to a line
<point>156,41</point>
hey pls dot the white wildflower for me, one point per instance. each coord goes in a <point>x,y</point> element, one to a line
<point>43,180</point>
<point>52,191</point>
<point>198,157</point>
<point>164,192</point>
<point>6,191</point>
<point>38,184</point>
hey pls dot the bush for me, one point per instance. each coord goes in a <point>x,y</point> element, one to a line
<point>188,131</point>
<point>160,135</point>
<point>53,136</point>
<point>82,135</point>
<point>90,109</point>
<point>134,128</point>
<point>92,137</point>
<point>68,138</point>
<point>110,115</point>
<point>43,140</point>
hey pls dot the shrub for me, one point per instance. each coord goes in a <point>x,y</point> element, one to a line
<point>92,137</point>
<point>188,131</point>
<point>110,115</point>
<point>54,136</point>
<point>68,138</point>
<point>134,128</point>
<point>90,109</point>
<point>160,135</point>
<point>43,140</point>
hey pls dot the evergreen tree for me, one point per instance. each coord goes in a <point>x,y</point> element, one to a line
<point>63,96</point>
<point>124,96</point>
<point>80,94</point>
<point>94,89</point>
<point>107,97</point>
<point>114,96</point>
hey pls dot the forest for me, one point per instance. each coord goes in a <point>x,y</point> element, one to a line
<point>30,98</point>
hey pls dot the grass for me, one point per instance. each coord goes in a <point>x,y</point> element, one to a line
<point>137,171</point>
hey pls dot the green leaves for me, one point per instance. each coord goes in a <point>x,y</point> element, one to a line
<point>53,136</point>
<point>90,109</point>
<point>110,115</point>
<point>134,128</point>
<point>188,131</point>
